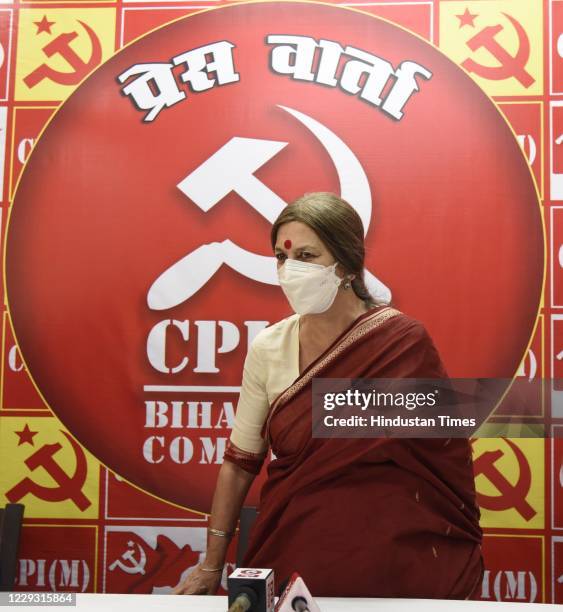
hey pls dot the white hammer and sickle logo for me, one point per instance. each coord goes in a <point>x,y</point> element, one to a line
<point>232,168</point>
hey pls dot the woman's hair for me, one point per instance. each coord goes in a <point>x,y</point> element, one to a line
<point>340,228</point>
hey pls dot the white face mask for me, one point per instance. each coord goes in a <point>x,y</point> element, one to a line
<point>310,288</point>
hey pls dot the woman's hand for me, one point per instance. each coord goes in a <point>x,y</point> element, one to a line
<point>199,582</point>
<point>232,486</point>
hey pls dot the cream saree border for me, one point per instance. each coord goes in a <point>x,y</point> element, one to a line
<point>361,328</point>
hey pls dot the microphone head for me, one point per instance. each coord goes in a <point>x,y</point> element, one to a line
<point>296,597</point>
<point>258,584</point>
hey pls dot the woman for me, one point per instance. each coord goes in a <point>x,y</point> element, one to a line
<point>354,517</point>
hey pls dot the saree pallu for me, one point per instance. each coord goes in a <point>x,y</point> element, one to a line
<point>368,517</point>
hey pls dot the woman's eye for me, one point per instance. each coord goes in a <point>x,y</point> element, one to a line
<point>305,255</point>
<point>280,256</point>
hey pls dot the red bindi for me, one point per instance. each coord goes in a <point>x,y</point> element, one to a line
<point>287,244</point>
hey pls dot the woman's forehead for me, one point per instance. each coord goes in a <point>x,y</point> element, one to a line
<point>298,233</point>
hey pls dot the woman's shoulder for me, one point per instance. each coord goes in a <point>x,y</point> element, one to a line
<point>407,324</point>
<point>276,333</point>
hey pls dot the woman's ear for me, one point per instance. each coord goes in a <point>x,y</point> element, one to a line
<point>340,270</point>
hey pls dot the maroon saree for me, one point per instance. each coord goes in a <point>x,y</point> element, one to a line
<point>368,517</point>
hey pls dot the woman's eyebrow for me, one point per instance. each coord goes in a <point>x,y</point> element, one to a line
<point>307,247</point>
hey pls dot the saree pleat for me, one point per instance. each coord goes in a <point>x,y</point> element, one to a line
<point>368,517</point>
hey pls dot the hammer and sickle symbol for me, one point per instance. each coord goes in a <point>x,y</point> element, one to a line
<point>134,565</point>
<point>511,496</point>
<point>61,46</point>
<point>509,65</point>
<point>69,487</point>
<point>231,169</point>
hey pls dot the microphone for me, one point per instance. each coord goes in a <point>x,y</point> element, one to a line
<point>251,590</point>
<point>296,597</point>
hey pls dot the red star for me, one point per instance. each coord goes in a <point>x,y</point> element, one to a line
<point>466,19</point>
<point>26,435</point>
<point>44,25</point>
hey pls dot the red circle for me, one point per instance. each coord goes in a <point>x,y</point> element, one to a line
<point>455,232</point>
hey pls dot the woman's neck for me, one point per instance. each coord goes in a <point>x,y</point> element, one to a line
<point>344,310</point>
